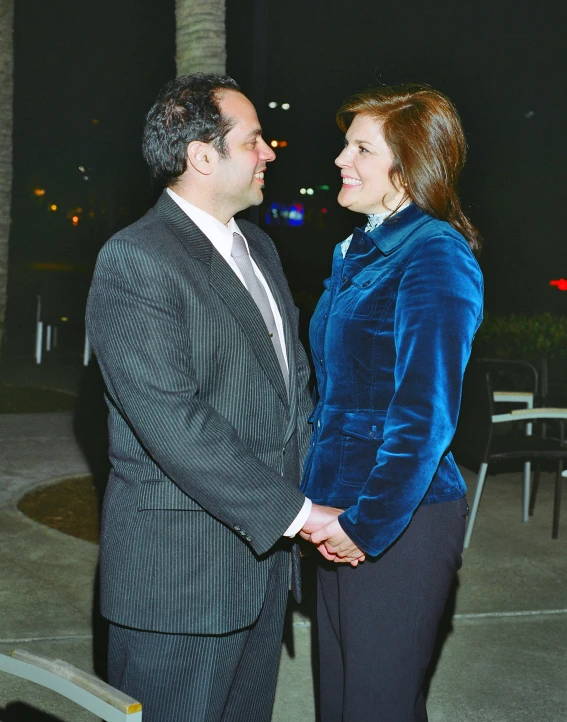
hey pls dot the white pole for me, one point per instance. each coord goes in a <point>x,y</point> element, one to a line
<point>38,341</point>
<point>38,332</point>
<point>87,352</point>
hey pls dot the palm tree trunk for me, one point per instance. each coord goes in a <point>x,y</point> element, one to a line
<point>201,36</point>
<point>6,85</point>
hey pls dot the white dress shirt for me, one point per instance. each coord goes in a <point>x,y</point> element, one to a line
<point>221,238</point>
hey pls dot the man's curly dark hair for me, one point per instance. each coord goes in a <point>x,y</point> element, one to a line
<point>186,109</point>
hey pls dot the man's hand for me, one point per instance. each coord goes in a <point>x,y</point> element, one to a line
<point>333,543</point>
<point>324,518</point>
<point>318,517</point>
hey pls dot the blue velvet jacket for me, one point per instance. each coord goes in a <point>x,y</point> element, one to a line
<point>390,339</point>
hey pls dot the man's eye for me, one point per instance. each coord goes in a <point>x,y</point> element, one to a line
<point>362,150</point>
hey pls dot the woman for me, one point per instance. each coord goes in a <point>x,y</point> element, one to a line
<point>390,339</point>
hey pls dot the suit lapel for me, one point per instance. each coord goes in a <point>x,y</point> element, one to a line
<point>240,302</point>
<point>287,312</point>
<point>228,286</point>
<point>290,345</point>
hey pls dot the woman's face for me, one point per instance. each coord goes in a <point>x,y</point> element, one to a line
<point>365,163</point>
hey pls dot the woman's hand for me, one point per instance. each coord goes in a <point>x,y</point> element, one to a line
<point>336,546</point>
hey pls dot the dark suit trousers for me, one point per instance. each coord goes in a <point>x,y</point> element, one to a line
<point>378,622</point>
<point>205,678</point>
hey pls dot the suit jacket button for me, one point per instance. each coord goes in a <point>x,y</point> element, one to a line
<point>243,532</point>
<point>237,528</point>
<point>248,538</point>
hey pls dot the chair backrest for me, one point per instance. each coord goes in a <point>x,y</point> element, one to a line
<point>471,443</point>
<point>512,374</point>
<point>84,689</point>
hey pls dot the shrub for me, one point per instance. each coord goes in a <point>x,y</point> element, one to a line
<point>530,338</point>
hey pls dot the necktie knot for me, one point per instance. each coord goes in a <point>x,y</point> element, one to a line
<point>238,246</point>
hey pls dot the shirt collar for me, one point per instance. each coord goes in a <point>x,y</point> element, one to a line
<point>374,220</point>
<point>208,224</point>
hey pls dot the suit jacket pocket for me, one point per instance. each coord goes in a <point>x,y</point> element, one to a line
<point>164,494</point>
<point>361,437</point>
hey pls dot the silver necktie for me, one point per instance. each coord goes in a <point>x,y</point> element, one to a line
<point>242,259</point>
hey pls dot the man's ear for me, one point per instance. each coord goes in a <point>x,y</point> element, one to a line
<point>201,156</point>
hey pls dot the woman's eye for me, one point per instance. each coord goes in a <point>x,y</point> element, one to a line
<point>362,150</point>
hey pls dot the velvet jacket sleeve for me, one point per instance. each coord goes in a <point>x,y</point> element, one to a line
<point>437,312</point>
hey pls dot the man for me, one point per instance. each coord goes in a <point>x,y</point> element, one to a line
<point>195,332</point>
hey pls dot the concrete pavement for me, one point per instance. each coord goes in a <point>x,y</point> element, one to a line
<point>503,660</point>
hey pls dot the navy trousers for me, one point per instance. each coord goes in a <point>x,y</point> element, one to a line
<point>205,678</point>
<point>378,622</point>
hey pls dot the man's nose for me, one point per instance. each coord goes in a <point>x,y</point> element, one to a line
<point>267,153</point>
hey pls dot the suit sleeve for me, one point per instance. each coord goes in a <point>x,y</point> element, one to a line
<point>135,324</point>
<point>438,310</point>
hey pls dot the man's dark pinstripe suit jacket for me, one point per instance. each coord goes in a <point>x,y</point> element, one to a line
<point>206,447</point>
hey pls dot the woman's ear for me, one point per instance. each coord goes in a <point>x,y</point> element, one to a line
<point>398,181</point>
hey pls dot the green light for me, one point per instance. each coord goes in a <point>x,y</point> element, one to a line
<point>323,188</point>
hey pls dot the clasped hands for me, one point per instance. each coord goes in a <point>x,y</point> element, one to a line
<point>322,529</point>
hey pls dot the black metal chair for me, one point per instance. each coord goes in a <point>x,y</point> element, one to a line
<point>476,446</point>
<point>513,375</point>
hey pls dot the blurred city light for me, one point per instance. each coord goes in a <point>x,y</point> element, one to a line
<point>75,220</point>
<point>39,191</point>
<point>280,214</point>
<point>274,143</point>
<point>324,210</point>
<point>64,319</point>
<point>95,121</point>
<point>82,168</point>
<point>285,106</point>
<point>323,188</point>
<point>310,191</point>
<point>282,143</point>
<point>561,284</point>
<point>303,191</point>
<point>53,207</point>
<point>272,104</point>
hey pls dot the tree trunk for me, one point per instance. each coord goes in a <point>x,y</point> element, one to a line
<point>200,36</point>
<point>6,85</point>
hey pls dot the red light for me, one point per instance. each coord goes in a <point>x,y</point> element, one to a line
<point>75,220</point>
<point>324,210</point>
<point>561,284</point>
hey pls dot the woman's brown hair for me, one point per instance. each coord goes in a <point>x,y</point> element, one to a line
<point>423,130</point>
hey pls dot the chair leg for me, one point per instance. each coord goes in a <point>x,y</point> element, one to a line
<point>557,500</point>
<point>535,487</point>
<point>478,493</point>
<point>526,498</point>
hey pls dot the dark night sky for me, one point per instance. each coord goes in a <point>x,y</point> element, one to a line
<point>501,61</point>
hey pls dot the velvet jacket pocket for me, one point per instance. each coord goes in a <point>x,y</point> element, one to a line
<point>361,437</point>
